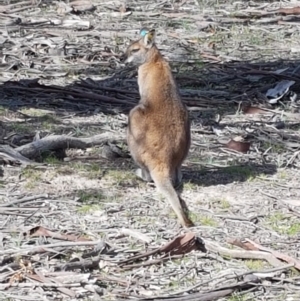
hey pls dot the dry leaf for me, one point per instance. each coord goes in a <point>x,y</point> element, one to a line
<point>183,244</point>
<point>253,110</point>
<point>178,246</point>
<point>289,11</point>
<point>239,146</point>
<point>41,231</point>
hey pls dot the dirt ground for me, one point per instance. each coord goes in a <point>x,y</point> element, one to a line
<point>73,222</point>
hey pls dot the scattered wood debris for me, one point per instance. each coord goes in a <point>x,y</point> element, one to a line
<point>74,221</point>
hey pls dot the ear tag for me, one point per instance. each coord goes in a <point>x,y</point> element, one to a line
<point>143,32</point>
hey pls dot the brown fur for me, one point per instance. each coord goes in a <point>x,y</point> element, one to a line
<point>158,133</point>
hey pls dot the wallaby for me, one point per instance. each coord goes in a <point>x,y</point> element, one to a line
<point>158,132</point>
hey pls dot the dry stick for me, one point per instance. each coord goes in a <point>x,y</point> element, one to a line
<point>25,199</point>
<point>243,254</point>
<point>14,213</point>
<point>42,248</point>
<point>35,284</point>
<point>9,209</point>
<point>150,262</point>
<point>75,92</point>
<point>19,297</point>
<point>212,294</point>
<point>260,274</point>
<point>82,265</point>
<point>233,217</point>
<point>40,277</point>
<point>277,254</point>
<point>221,291</point>
<point>17,4</point>
<point>271,272</point>
<point>136,234</point>
<point>113,279</point>
<point>83,84</point>
<point>8,153</point>
<point>16,10</point>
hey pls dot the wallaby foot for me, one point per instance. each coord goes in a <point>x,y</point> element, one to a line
<point>143,174</point>
<point>187,221</point>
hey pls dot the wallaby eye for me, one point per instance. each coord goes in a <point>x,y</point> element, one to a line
<point>134,50</point>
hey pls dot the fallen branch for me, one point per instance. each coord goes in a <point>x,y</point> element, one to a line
<point>74,92</point>
<point>45,248</point>
<point>251,280</point>
<point>55,142</point>
<point>150,262</point>
<point>254,247</point>
<point>84,264</point>
<point>259,273</point>
<point>10,155</point>
<point>180,245</point>
<point>212,294</point>
<point>62,286</point>
<point>24,200</point>
<point>272,260</point>
<point>136,234</point>
<point>36,284</point>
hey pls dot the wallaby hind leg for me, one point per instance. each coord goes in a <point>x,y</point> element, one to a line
<point>144,174</point>
<point>178,177</point>
<point>164,186</point>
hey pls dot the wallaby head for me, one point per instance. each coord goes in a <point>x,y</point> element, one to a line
<point>140,51</point>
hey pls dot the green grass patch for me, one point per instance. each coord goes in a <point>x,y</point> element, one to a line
<point>275,147</point>
<point>3,111</point>
<point>89,208</point>
<point>33,112</point>
<point>32,176</point>
<point>89,170</point>
<point>255,265</point>
<point>90,196</point>
<point>237,297</point>
<point>21,127</point>
<point>208,221</point>
<point>282,224</point>
<point>202,220</point>
<point>50,159</point>
<point>219,202</point>
<point>224,204</point>
<point>189,186</point>
<point>120,177</point>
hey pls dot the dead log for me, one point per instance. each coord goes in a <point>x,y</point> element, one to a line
<point>11,156</point>
<point>55,142</point>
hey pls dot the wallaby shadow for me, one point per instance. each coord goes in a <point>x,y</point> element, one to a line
<point>205,176</point>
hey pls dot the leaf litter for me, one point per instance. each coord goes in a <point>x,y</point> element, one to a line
<point>75,222</point>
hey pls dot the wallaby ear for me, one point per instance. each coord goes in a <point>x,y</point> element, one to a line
<point>149,37</point>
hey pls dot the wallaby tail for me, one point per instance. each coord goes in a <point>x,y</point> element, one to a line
<point>165,187</point>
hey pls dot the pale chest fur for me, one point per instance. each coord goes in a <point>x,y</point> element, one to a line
<point>142,81</point>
